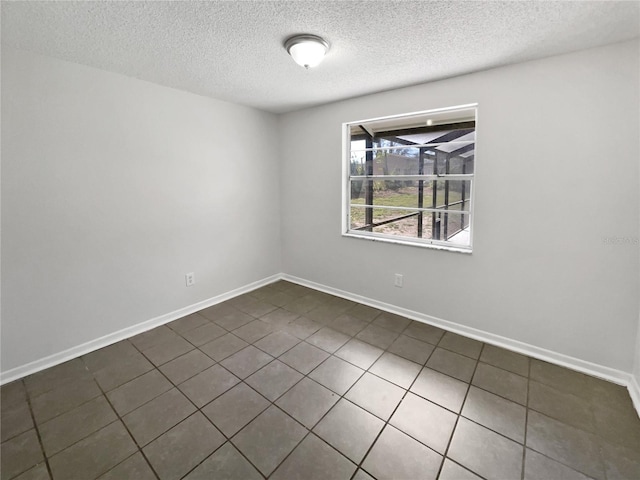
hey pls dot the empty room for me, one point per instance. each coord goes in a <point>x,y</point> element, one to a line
<point>330,240</point>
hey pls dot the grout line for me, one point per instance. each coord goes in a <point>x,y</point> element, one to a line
<point>321,304</point>
<point>464,401</point>
<point>37,431</point>
<point>526,419</point>
<point>120,419</point>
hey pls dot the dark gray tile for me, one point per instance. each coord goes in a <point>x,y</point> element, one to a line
<point>131,395</point>
<point>485,452</point>
<point>396,455</point>
<point>439,388</point>
<point>564,407</point>
<point>424,332</point>
<point>395,369</point>
<point>336,374</point>
<point>234,409</point>
<point>207,385</point>
<point>453,471</point>
<point>350,429</point>
<point>39,472</point>
<point>274,379</point>
<point>279,318</point>
<point>307,402</point>
<point>304,357</point>
<point>495,413</point>
<point>364,312</point>
<point>506,384</point>
<point>268,439</point>
<point>359,353</point>
<point>204,334</point>
<point>325,314</point>
<point>424,421</point>
<point>232,319</point>
<point>376,395</point>
<point>302,305</point>
<point>254,331</point>
<point>280,298</point>
<point>276,343</point>
<point>186,366</point>
<point>362,475</point>
<point>452,364</point>
<point>314,460</point>
<point>66,429</point>
<point>462,345</point>
<point>94,455</point>
<point>13,393</point>
<point>302,327</point>
<point>168,350</point>
<point>505,359</point>
<point>569,445</point>
<point>621,427</point>
<point>412,349</point>
<point>225,464</point>
<point>223,347</point>
<point>61,400</point>
<point>20,454</point>
<point>134,467</point>
<point>157,416</point>
<point>153,337</point>
<point>558,377</point>
<point>391,321</point>
<point>56,377</point>
<point>187,323</point>
<point>252,306</point>
<point>121,372</point>
<point>539,467</point>
<point>328,339</point>
<point>15,419</point>
<point>348,324</point>
<point>176,452</point>
<point>377,336</point>
<point>602,392</point>
<point>620,462</point>
<point>246,361</point>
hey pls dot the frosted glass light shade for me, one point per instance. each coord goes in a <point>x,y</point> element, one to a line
<point>306,50</point>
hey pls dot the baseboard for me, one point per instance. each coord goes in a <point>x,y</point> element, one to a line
<point>88,347</point>
<point>589,368</point>
<point>616,376</point>
<point>634,392</point>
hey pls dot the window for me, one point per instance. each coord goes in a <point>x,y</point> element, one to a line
<point>409,178</point>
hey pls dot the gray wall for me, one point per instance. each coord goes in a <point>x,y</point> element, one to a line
<point>112,190</point>
<point>557,175</point>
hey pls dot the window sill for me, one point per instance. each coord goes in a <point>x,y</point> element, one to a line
<point>420,244</point>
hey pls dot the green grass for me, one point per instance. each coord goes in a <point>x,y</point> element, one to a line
<point>404,197</point>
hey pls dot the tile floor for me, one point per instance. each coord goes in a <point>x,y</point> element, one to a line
<point>290,383</point>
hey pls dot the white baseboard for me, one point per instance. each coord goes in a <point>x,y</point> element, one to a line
<point>606,373</point>
<point>634,392</point>
<point>616,376</point>
<point>88,347</point>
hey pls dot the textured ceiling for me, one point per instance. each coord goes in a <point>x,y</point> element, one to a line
<point>233,51</point>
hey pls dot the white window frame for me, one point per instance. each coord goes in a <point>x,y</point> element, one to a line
<point>382,237</point>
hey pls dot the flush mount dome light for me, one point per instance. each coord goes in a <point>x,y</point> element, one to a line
<point>307,50</point>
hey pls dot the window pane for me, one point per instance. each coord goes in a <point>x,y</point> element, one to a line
<point>402,161</point>
<point>438,142</point>
<point>393,193</point>
<point>448,192</point>
<point>456,233</point>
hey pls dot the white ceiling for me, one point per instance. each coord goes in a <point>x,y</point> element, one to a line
<point>232,50</point>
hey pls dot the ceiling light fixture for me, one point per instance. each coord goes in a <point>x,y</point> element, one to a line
<point>307,50</point>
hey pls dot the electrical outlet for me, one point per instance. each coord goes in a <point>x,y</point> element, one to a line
<point>190,279</point>
<point>398,280</point>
